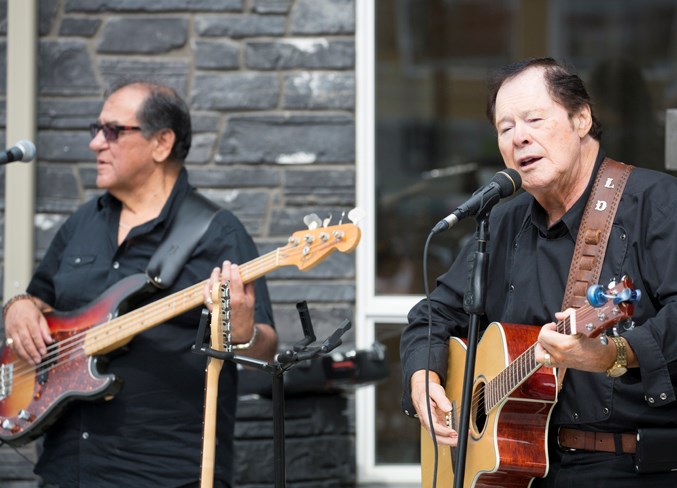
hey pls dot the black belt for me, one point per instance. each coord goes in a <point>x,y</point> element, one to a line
<point>621,443</point>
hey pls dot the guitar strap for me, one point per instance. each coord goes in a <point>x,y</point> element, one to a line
<point>190,223</point>
<point>593,235</point>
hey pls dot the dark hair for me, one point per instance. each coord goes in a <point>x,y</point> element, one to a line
<point>564,86</point>
<point>163,108</point>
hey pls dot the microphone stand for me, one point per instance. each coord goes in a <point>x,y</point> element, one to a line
<point>473,302</point>
<point>282,363</point>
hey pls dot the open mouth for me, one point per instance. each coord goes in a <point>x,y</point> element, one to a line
<point>523,163</point>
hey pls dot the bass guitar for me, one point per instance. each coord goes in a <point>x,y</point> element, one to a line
<point>32,396</point>
<point>513,396</point>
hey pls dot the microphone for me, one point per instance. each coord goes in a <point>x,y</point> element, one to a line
<point>22,151</point>
<point>503,184</point>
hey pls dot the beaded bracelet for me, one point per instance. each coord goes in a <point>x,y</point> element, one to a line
<point>249,343</point>
<point>15,298</point>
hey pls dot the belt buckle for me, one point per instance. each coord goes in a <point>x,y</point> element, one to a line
<point>565,449</point>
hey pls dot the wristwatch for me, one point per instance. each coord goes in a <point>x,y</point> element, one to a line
<point>620,366</point>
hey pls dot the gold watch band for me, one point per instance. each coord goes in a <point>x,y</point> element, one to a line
<point>620,365</point>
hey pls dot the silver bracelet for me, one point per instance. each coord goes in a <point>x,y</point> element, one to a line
<point>250,342</point>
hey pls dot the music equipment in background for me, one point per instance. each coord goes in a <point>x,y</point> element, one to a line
<point>513,396</point>
<point>32,396</point>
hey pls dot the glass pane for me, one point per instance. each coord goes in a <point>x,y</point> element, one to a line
<point>434,146</point>
<point>397,436</point>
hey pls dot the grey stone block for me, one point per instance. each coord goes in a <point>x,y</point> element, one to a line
<point>146,6</point>
<point>57,188</point>
<point>68,114</point>
<point>149,35</point>
<point>312,292</point>
<point>205,122</point>
<point>320,187</point>
<point>323,17</point>
<point>79,27</point>
<point>299,53</point>
<point>229,177</point>
<point>172,72</point>
<point>216,54</point>
<point>46,227</point>
<point>271,6</point>
<point>64,146</point>
<point>201,148</point>
<point>65,69</point>
<point>234,91</point>
<point>239,26</point>
<point>47,10</point>
<point>319,90</point>
<point>292,139</point>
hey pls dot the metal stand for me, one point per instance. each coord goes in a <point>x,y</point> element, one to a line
<point>301,351</point>
<point>473,302</point>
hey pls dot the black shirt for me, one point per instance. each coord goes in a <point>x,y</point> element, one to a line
<point>528,270</point>
<point>150,434</point>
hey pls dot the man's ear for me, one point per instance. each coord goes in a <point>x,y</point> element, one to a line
<point>164,142</point>
<point>583,121</point>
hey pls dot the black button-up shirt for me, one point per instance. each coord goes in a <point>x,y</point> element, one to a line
<point>528,270</point>
<point>150,433</point>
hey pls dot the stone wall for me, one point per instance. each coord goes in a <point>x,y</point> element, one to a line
<point>272,90</point>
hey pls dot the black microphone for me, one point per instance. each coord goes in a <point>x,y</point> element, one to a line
<point>503,184</point>
<point>22,151</point>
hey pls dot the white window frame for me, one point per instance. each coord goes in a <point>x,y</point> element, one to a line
<point>371,309</point>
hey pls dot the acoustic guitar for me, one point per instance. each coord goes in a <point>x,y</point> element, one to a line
<point>512,397</point>
<point>31,397</point>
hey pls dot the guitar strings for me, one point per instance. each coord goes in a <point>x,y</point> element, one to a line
<point>190,297</point>
<point>128,321</point>
<point>499,387</point>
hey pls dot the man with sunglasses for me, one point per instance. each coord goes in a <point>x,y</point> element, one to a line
<point>150,434</point>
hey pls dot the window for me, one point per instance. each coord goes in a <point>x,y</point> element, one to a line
<point>424,144</point>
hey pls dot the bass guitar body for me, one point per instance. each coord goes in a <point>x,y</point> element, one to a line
<point>507,446</point>
<point>39,393</point>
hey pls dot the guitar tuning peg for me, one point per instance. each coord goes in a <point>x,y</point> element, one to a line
<point>356,215</point>
<point>327,221</point>
<point>603,339</point>
<point>312,221</point>
<point>343,214</point>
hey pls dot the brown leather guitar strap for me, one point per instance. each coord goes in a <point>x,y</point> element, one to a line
<point>593,235</point>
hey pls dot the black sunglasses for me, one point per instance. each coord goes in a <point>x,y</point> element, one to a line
<point>110,131</point>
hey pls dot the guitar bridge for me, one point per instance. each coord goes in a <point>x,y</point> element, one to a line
<point>6,377</point>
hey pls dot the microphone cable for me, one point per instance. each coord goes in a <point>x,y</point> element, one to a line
<point>429,412</point>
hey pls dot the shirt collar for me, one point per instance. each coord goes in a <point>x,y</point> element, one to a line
<point>181,187</point>
<point>571,220</point>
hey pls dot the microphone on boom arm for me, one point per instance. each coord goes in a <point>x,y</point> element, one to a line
<point>504,183</point>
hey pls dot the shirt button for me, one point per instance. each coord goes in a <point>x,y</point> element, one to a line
<point>116,265</point>
<point>575,416</point>
<point>78,260</point>
<point>623,236</point>
<point>606,411</point>
<point>663,396</point>
<point>85,435</point>
<point>651,400</point>
<point>512,287</point>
